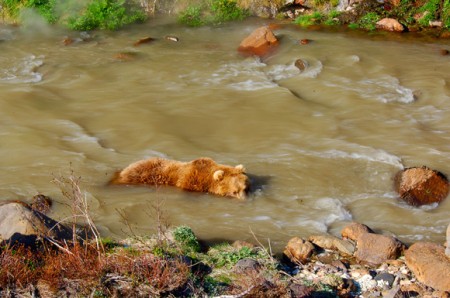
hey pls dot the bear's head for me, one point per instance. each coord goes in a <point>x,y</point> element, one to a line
<point>231,182</point>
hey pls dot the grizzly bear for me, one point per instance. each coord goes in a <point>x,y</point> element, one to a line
<point>202,175</point>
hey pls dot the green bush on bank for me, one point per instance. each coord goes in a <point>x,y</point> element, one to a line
<point>93,14</point>
<point>212,12</point>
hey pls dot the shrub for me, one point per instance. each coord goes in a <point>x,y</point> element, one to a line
<point>368,21</point>
<point>430,12</point>
<point>107,14</point>
<point>224,255</point>
<point>186,238</point>
<point>227,10</point>
<point>192,16</point>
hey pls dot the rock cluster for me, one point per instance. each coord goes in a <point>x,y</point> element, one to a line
<point>372,263</point>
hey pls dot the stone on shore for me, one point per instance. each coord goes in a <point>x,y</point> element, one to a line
<point>354,230</point>
<point>260,42</point>
<point>330,242</point>
<point>298,250</point>
<point>19,223</point>
<point>389,24</point>
<point>430,264</point>
<point>421,186</point>
<point>375,249</point>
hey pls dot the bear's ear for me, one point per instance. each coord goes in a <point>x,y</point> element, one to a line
<point>240,168</point>
<point>218,175</point>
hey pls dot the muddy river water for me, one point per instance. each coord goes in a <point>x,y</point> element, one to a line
<point>322,145</point>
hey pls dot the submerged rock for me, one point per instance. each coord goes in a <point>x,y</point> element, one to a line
<point>144,40</point>
<point>421,186</point>
<point>301,64</point>
<point>430,264</point>
<point>260,42</point>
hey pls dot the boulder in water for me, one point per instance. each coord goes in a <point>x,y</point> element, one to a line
<point>260,42</point>
<point>421,186</point>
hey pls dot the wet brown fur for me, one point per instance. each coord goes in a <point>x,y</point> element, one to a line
<point>197,175</point>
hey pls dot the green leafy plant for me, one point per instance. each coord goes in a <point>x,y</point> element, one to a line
<point>107,14</point>
<point>224,255</point>
<point>332,18</point>
<point>186,238</point>
<point>430,11</point>
<point>192,16</point>
<point>368,21</point>
<point>227,10</point>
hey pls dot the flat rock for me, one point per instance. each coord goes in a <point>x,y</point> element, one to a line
<point>430,264</point>
<point>333,243</point>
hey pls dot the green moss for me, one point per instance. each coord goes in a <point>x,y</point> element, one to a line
<point>212,12</point>
<point>446,14</point>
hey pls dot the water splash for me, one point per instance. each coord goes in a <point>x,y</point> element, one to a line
<point>23,71</point>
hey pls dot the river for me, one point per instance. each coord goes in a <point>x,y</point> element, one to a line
<point>321,145</point>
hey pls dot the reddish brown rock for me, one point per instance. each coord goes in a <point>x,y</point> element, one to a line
<point>354,230</point>
<point>260,42</point>
<point>421,186</point>
<point>375,249</point>
<point>430,264</point>
<point>143,40</point>
<point>389,25</point>
<point>444,52</point>
<point>301,64</point>
<point>304,41</point>
<point>298,250</point>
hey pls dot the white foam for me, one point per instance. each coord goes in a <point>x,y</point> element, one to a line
<point>347,150</point>
<point>385,89</point>
<point>250,74</point>
<point>23,71</point>
<point>335,211</point>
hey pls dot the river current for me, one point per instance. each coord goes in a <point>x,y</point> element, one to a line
<point>321,145</point>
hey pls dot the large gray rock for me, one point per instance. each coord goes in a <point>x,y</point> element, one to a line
<point>430,264</point>
<point>19,223</point>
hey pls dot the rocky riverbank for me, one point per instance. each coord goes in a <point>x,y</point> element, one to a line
<point>173,263</point>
